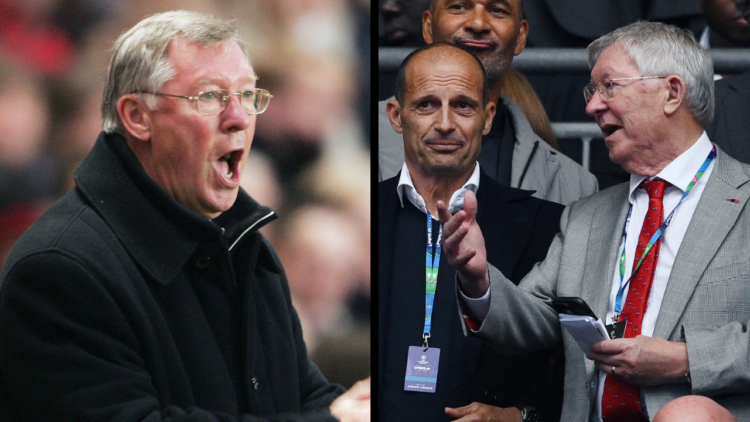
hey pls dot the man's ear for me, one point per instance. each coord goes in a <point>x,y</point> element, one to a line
<point>135,117</point>
<point>489,114</point>
<point>427,26</point>
<point>393,109</point>
<point>523,32</point>
<point>676,92</point>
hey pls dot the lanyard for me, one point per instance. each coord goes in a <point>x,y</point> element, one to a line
<point>657,235</point>
<point>433,264</point>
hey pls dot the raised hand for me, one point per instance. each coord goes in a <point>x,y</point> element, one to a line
<point>463,245</point>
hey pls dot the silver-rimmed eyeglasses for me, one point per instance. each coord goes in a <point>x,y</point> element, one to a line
<point>607,89</point>
<point>254,101</point>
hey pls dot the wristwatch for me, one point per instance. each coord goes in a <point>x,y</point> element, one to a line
<point>530,414</point>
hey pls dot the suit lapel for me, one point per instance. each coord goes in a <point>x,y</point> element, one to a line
<point>505,223</point>
<point>714,217</point>
<point>604,242</point>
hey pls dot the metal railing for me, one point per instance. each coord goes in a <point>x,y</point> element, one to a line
<point>573,60</point>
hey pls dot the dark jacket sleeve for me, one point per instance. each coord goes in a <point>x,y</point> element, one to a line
<point>69,351</point>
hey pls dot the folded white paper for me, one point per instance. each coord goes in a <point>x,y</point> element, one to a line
<point>584,329</point>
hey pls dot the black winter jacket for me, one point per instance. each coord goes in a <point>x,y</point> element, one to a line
<point>121,304</point>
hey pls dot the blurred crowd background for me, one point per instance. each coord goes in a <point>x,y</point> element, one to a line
<point>310,159</point>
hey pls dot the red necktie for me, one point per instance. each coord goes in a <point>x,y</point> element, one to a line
<point>621,401</point>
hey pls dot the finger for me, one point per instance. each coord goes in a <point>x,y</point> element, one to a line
<point>470,205</point>
<point>454,239</point>
<point>361,389</point>
<point>454,413</point>
<point>462,259</point>
<point>443,214</point>
<point>453,223</point>
<point>610,347</point>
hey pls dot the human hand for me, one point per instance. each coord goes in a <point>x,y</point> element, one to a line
<point>478,412</point>
<point>642,361</point>
<point>354,405</point>
<point>463,245</point>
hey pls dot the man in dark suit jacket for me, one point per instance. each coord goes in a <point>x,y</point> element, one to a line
<point>442,112</point>
<point>730,129</point>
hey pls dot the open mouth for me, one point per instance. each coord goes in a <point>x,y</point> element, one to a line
<point>609,129</point>
<point>229,165</point>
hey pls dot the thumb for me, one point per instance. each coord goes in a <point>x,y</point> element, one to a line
<point>470,206</point>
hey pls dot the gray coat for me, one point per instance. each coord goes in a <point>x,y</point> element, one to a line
<point>705,304</point>
<point>553,176</point>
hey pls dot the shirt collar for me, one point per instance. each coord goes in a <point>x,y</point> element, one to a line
<point>681,170</point>
<point>406,186</point>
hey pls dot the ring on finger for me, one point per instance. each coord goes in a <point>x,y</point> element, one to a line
<point>613,370</point>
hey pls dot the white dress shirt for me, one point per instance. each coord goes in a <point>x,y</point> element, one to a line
<point>679,173</point>
<point>406,187</point>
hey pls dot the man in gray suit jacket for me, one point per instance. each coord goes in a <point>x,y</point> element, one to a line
<point>512,153</point>
<point>651,95</point>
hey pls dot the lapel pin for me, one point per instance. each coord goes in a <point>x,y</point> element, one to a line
<point>736,201</point>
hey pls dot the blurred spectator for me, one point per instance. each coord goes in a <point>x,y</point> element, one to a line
<point>26,172</point>
<point>727,23</point>
<point>402,22</point>
<point>14,220</point>
<point>321,247</point>
<point>730,129</point>
<point>517,88</point>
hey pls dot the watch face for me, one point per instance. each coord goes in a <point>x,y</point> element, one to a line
<point>529,414</point>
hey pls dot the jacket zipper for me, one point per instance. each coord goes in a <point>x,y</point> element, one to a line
<point>260,220</point>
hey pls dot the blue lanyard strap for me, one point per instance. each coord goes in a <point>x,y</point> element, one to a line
<point>433,264</point>
<point>656,236</point>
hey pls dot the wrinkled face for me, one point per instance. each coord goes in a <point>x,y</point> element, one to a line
<point>491,29</point>
<point>442,118</point>
<point>725,17</point>
<point>199,159</point>
<point>403,21</point>
<point>630,120</point>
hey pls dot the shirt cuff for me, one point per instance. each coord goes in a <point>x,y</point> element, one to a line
<point>474,311</point>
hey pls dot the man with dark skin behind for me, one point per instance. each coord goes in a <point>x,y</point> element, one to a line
<point>442,110</point>
<point>512,154</point>
<point>402,20</point>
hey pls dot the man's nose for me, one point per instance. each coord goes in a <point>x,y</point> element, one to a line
<point>234,117</point>
<point>596,104</point>
<point>390,7</point>
<point>478,20</point>
<point>445,120</point>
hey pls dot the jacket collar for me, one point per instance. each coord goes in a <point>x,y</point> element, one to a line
<point>159,233</point>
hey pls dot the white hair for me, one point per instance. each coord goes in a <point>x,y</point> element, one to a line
<point>139,62</point>
<point>657,49</point>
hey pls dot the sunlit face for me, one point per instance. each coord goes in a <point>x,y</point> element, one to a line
<point>631,119</point>
<point>442,118</point>
<point>199,159</point>
<point>491,29</point>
